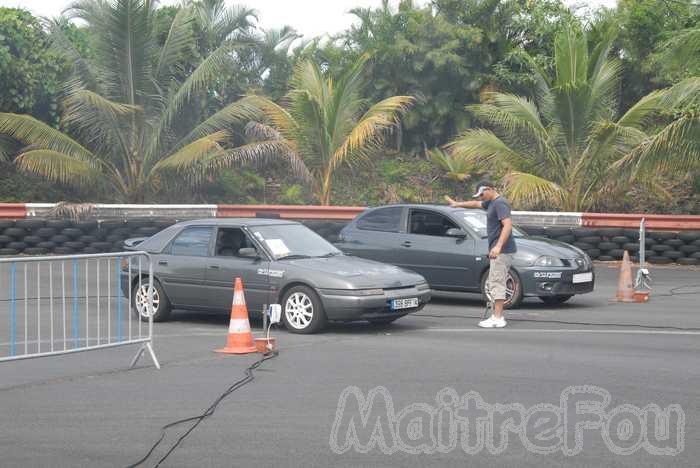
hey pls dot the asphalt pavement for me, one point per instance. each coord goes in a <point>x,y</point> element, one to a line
<point>304,407</point>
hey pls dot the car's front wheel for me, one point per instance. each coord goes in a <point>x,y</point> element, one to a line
<point>514,289</point>
<point>139,302</point>
<point>554,300</point>
<point>302,310</point>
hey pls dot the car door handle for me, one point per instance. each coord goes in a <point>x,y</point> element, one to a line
<point>406,243</point>
<point>162,262</point>
<point>214,267</point>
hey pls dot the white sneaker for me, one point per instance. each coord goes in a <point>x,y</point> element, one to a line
<point>493,322</point>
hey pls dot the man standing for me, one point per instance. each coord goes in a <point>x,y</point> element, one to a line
<point>499,227</point>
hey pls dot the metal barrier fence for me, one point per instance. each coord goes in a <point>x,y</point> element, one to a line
<point>43,314</point>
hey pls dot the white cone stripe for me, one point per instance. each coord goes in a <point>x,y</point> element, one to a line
<point>239,326</point>
<point>238,298</point>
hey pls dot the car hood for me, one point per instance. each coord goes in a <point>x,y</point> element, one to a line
<point>543,246</point>
<point>360,273</point>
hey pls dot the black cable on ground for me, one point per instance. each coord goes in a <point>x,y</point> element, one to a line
<point>249,377</point>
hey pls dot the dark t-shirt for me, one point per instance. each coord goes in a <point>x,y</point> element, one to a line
<point>496,210</point>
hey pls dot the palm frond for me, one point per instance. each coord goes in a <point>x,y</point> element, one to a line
<point>483,146</point>
<point>260,132</point>
<point>179,41</point>
<point>193,156</point>
<point>31,131</point>
<point>526,190</point>
<point>58,167</point>
<point>281,118</point>
<point>236,113</point>
<point>378,118</point>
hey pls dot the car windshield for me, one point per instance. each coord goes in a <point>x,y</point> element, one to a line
<point>476,220</point>
<point>293,241</point>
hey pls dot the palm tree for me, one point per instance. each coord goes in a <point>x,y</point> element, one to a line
<point>323,124</point>
<point>567,149</point>
<point>127,106</point>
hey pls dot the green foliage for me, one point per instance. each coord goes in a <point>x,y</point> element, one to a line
<point>236,186</point>
<point>292,195</point>
<point>30,71</point>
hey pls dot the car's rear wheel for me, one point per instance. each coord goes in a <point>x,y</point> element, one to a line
<point>302,310</point>
<point>514,289</point>
<point>161,303</point>
<point>554,300</point>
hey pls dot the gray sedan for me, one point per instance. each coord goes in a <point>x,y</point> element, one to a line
<point>448,247</point>
<point>284,262</point>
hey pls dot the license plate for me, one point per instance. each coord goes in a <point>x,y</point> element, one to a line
<point>583,277</point>
<point>397,304</point>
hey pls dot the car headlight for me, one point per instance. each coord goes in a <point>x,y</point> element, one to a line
<point>422,286</point>
<point>369,292</point>
<point>549,261</point>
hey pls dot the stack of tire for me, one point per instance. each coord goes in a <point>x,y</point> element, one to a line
<point>63,237</point>
<point>609,244</point>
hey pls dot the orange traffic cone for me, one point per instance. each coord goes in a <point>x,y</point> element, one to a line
<point>240,339</point>
<point>625,289</point>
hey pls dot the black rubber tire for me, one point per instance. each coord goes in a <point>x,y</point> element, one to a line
<point>633,234</point>
<point>122,233</point>
<point>621,240</point>
<point>112,238</point>
<point>606,258</point>
<point>585,232</point>
<point>5,240</point>
<point>58,224</point>
<point>17,245</point>
<point>45,232</point>
<point>101,246</point>
<point>517,298</point>
<point>87,239</point>
<point>163,310</point>
<point>696,242</point>
<point>661,235</point>
<point>6,223</point>
<point>611,232</point>
<point>73,233</point>
<point>30,224</point>
<point>688,261</point>
<point>661,248</point>
<point>608,246</point>
<point>87,226</point>
<point>35,251</point>
<point>90,250</point>
<point>63,250</point>
<point>60,239</point>
<point>593,253</point>
<point>333,238</point>
<point>631,247</point>
<point>147,231</point>
<point>552,232</point>
<point>74,245</point>
<point>136,223</point>
<point>674,242</point>
<point>591,239</point>
<point>673,254</point>
<point>32,240</point>
<point>617,254</point>
<point>48,245</point>
<point>695,255</point>
<point>17,233</point>
<point>554,300</point>
<point>8,252</point>
<point>318,318</point>
<point>583,245</point>
<point>689,249</point>
<point>568,239</point>
<point>689,236</point>
<point>659,260</point>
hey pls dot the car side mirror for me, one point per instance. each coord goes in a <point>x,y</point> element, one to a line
<point>248,252</point>
<point>454,232</point>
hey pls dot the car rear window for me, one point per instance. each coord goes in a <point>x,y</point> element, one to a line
<point>193,242</point>
<point>383,219</point>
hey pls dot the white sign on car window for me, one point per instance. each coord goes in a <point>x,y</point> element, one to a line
<point>277,247</point>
